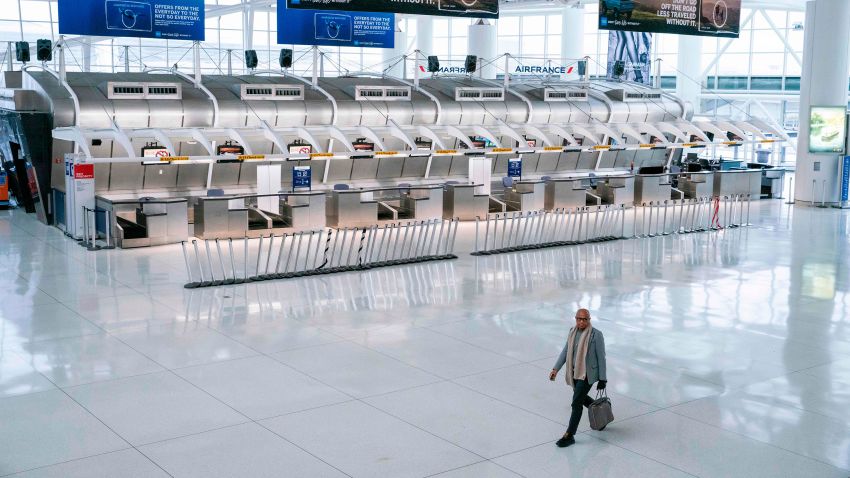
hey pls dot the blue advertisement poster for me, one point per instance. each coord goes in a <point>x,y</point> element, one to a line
<point>168,19</point>
<point>845,179</point>
<point>449,8</point>
<point>515,168</point>
<point>334,28</point>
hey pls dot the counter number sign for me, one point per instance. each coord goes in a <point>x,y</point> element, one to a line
<point>302,177</point>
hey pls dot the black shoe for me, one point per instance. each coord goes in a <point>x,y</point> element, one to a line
<point>565,441</point>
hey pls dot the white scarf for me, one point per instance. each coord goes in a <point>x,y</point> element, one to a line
<point>579,371</point>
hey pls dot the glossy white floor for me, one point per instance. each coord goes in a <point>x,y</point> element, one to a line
<point>729,355</point>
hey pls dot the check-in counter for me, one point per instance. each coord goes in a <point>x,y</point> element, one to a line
<point>146,222</point>
<point>697,185</point>
<point>462,202</point>
<point>220,217</point>
<point>617,190</point>
<point>527,195</point>
<point>735,182</point>
<point>423,202</point>
<point>352,208</point>
<point>652,188</point>
<point>565,193</point>
<point>304,210</point>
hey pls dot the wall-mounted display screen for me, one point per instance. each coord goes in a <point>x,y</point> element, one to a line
<point>451,8</point>
<point>827,129</point>
<point>334,28</point>
<point>296,148</point>
<point>229,149</point>
<point>168,19</point>
<point>154,151</point>
<point>683,17</point>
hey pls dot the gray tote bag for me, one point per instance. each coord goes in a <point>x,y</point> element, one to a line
<point>600,413</point>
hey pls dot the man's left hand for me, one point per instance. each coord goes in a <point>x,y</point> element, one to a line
<point>601,385</point>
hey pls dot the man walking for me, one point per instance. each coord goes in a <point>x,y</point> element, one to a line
<point>584,355</point>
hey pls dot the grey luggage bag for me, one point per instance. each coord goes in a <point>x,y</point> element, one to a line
<point>600,413</point>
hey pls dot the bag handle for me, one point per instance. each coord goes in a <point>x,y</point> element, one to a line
<point>601,393</point>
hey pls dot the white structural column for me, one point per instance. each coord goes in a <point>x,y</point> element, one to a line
<point>823,83</point>
<point>572,37</point>
<point>425,34</point>
<point>482,43</point>
<point>394,54</point>
<point>689,77</point>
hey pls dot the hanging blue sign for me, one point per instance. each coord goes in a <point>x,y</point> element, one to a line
<point>515,168</point>
<point>845,179</point>
<point>168,19</point>
<point>302,177</point>
<point>334,28</point>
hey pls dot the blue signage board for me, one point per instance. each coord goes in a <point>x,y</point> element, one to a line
<point>302,177</point>
<point>168,19</point>
<point>334,28</point>
<point>515,168</point>
<point>845,179</point>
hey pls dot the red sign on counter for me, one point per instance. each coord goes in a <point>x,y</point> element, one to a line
<point>84,171</point>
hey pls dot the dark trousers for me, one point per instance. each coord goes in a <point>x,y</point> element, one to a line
<point>580,399</point>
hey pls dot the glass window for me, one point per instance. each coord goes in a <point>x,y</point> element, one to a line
<point>533,46</point>
<point>508,26</point>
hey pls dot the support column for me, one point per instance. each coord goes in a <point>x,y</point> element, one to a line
<point>689,79</point>
<point>393,55</point>
<point>425,34</point>
<point>823,83</point>
<point>572,38</point>
<point>482,43</point>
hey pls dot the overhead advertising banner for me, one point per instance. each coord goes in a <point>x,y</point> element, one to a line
<point>168,19</point>
<point>634,49</point>
<point>683,17</point>
<point>450,8</point>
<point>334,28</point>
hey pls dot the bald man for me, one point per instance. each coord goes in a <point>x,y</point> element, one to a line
<point>584,355</point>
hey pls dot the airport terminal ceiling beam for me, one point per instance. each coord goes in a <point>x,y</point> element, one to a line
<point>688,127</point>
<point>631,132</point>
<point>337,134</point>
<point>158,135</point>
<point>459,135</point>
<point>372,136</point>
<point>563,133</point>
<point>589,135</point>
<point>399,133</point>
<point>487,134</point>
<point>508,131</point>
<point>534,131</point>
<point>123,139</point>
<point>433,136</point>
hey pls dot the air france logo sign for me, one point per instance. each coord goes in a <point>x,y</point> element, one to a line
<point>544,70</point>
<point>520,69</point>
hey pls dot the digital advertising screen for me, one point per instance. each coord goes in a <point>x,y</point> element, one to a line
<point>634,49</point>
<point>718,18</point>
<point>296,148</point>
<point>154,152</point>
<point>168,19</point>
<point>451,8</point>
<point>334,28</point>
<point>827,129</point>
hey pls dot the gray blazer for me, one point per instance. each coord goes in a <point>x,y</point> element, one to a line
<point>595,361</point>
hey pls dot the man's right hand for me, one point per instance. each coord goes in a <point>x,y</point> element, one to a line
<point>552,375</point>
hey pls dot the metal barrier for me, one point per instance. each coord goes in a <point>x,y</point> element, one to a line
<point>682,216</point>
<point>520,231</point>
<point>317,252</point>
<point>90,236</point>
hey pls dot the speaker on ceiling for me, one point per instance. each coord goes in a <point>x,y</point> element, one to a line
<point>22,51</point>
<point>44,50</point>
<point>286,58</point>
<point>433,64</point>
<point>251,59</point>
<point>471,63</point>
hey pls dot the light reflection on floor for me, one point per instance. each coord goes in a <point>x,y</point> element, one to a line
<point>728,355</point>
